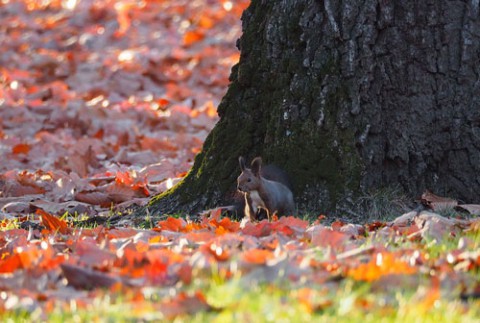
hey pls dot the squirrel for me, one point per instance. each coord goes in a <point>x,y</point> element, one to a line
<point>272,195</point>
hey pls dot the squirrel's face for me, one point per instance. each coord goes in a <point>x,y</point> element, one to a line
<point>247,181</point>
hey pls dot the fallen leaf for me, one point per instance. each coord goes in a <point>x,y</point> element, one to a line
<point>382,264</point>
<point>172,224</point>
<point>257,256</point>
<point>473,209</point>
<point>192,37</point>
<point>52,223</point>
<point>95,198</point>
<point>83,278</point>
<point>436,202</point>
<point>21,149</point>
<point>10,264</point>
<point>184,304</point>
<point>324,237</point>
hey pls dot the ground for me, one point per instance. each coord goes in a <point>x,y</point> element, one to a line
<point>104,104</point>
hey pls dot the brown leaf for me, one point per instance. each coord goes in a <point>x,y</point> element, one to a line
<point>353,229</point>
<point>404,220</point>
<point>435,226</point>
<point>374,226</point>
<point>95,198</point>
<point>436,202</point>
<point>473,209</point>
<point>71,207</point>
<point>325,237</point>
<point>93,255</point>
<point>185,304</point>
<point>84,278</point>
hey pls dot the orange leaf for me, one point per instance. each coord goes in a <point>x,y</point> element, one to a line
<point>99,134</point>
<point>433,294</point>
<point>201,236</point>
<point>123,17</point>
<point>52,223</point>
<point>257,256</point>
<point>324,237</point>
<point>312,300</point>
<point>191,37</point>
<point>382,264</point>
<point>10,264</point>
<point>156,144</point>
<point>206,22</point>
<point>216,250</point>
<point>21,149</point>
<point>225,225</point>
<point>171,224</point>
<point>124,178</point>
<point>163,103</point>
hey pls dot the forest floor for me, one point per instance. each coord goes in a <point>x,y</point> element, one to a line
<point>104,104</point>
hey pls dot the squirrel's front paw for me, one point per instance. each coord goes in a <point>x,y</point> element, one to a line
<point>244,222</point>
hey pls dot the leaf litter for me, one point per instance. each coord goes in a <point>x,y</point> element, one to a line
<point>107,102</point>
<point>104,104</point>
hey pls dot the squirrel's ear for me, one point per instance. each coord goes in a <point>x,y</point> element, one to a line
<point>241,161</point>
<point>256,165</point>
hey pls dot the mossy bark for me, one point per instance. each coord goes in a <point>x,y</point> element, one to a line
<point>347,97</point>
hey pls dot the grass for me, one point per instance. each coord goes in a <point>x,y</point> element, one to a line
<point>347,301</point>
<point>9,224</point>
<point>380,205</point>
<point>384,204</point>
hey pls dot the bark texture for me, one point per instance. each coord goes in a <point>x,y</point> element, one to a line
<point>348,96</point>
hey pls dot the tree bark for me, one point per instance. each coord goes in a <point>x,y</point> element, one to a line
<point>348,97</point>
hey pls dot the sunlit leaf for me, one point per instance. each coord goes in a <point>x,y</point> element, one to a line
<point>192,36</point>
<point>325,237</point>
<point>171,224</point>
<point>10,264</point>
<point>21,149</point>
<point>53,223</point>
<point>257,256</point>
<point>382,264</point>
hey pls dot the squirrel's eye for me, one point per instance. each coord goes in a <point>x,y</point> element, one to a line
<point>249,180</point>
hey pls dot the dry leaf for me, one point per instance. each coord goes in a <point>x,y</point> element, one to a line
<point>473,209</point>
<point>437,203</point>
<point>53,223</point>
<point>84,278</point>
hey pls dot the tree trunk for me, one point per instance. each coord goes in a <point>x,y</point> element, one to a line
<point>348,97</point>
